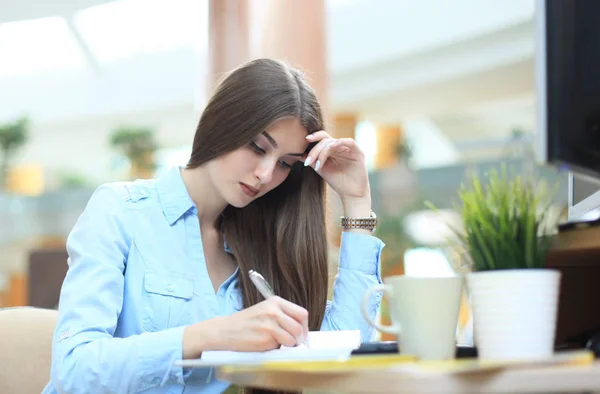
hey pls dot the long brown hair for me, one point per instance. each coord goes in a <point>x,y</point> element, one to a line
<point>282,234</point>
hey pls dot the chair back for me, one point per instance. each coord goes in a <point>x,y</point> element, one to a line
<point>26,348</point>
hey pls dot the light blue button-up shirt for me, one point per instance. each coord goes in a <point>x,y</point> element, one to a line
<point>137,277</point>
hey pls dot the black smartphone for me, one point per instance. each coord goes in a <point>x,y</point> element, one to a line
<point>390,347</point>
<point>376,348</point>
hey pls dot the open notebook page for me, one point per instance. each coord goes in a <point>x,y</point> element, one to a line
<point>322,345</point>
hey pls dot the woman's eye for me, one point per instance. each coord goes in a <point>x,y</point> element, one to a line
<point>257,148</point>
<point>285,165</point>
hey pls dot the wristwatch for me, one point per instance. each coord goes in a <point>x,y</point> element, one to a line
<point>368,223</point>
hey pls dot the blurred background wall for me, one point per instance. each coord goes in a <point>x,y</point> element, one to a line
<point>431,90</point>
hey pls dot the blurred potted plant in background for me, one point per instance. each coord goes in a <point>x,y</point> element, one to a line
<point>13,136</point>
<point>404,151</point>
<point>392,230</point>
<point>139,145</point>
<point>72,180</point>
<point>507,236</point>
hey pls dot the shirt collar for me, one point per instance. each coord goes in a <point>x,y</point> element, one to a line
<point>175,200</point>
<point>173,195</point>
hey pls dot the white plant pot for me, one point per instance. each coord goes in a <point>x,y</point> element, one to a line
<point>514,312</point>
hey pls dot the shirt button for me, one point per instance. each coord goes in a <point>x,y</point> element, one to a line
<point>170,288</point>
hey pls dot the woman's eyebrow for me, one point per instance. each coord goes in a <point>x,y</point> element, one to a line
<point>274,144</point>
<point>270,139</point>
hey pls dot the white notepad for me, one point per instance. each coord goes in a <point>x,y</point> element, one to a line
<point>322,345</point>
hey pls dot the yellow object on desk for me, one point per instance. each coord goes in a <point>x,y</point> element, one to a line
<point>409,364</point>
<point>326,366</point>
<point>474,365</point>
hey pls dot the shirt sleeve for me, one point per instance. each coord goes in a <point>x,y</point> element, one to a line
<point>358,270</point>
<point>85,354</point>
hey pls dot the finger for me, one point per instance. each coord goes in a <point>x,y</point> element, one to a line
<point>292,327</point>
<point>281,335</point>
<point>267,339</point>
<point>283,328</point>
<point>325,153</point>
<point>294,311</point>
<point>348,143</point>
<point>317,136</point>
<point>336,146</point>
<point>313,155</point>
<point>340,145</point>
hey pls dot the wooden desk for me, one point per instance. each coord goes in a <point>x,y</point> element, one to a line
<point>549,379</point>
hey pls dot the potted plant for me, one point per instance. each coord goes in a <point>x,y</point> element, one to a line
<point>12,137</point>
<point>139,146</point>
<point>507,234</point>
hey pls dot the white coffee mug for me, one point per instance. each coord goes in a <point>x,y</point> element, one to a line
<point>424,314</point>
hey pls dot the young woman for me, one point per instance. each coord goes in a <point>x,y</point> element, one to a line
<point>158,269</point>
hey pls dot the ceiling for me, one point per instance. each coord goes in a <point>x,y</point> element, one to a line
<point>468,70</point>
<point>16,10</point>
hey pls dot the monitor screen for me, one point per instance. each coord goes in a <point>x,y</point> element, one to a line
<point>568,96</point>
<point>568,83</point>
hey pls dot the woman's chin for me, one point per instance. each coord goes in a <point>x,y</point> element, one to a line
<point>240,202</point>
<point>238,205</point>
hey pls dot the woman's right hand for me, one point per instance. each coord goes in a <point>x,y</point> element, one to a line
<point>264,326</point>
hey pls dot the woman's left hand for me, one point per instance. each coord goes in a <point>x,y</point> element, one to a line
<point>341,163</point>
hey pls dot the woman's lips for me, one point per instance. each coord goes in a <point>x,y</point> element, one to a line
<point>248,190</point>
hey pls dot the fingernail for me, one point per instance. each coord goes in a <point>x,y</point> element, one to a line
<point>307,161</point>
<point>310,137</point>
<point>330,144</point>
<point>301,340</point>
<point>317,165</point>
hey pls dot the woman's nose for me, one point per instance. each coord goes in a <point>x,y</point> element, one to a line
<point>264,171</point>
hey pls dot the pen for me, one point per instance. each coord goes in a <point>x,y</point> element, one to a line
<point>267,291</point>
<point>261,284</point>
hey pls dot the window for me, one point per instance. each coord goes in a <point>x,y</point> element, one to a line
<point>131,27</point>
<point>37,45</point>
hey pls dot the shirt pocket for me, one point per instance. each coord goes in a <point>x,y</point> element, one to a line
<point>167,300</point>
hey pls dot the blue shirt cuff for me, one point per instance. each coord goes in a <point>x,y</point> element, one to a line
<point>158,358</point>
<point>361,252</point>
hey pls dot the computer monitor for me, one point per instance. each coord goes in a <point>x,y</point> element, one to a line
<point>568,95</point>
